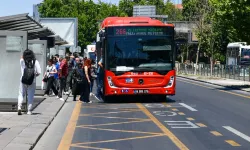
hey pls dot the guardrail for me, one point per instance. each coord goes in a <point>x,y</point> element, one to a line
<point>221,71</point>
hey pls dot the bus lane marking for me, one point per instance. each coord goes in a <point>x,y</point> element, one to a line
<point>215,133</point>
<point>181,124</point>
<point>164,113</point>
<point>167,132</point>
<point>232,143</point>
<point>201,125</point>
<point>188,107</point>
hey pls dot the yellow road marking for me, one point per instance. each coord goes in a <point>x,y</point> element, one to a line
<point>117,112</point>
<point>69,132</point>
<point>153,133</point>
<point>98,107</point>
<point>171,136</point>
<point>216,133</point>
<point>88,147</point>
<point>120,118</point>
<point>116,140</point>
<point>201,125</point>
<point>167,105</point>
<point>190,119</point>
<point>217,89</point>
<point>181,113</point>
<point>174,109</point>
<point>233,143</point>
<point>108,124</point>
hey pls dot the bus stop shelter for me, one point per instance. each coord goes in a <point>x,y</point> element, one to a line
<point>17,33</point>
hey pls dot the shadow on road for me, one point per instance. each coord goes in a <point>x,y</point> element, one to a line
<point>139,99</point>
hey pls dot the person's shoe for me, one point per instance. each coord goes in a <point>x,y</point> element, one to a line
<point>19,112</point>
<point>29,113</point>
<point>61,99</point>
<point>57,97</point>
<point>90,102</point>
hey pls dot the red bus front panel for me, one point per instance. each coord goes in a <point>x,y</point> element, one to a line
<point>132,83</point>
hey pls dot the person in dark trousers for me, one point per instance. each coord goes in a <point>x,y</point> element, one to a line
<point>78,75</point>
<point>63,73</point>
<point>100,75</point>
<point>86,81</point>
<point>49,74</point>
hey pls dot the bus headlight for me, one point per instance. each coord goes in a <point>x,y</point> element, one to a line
<point>111,84</point>
<point>171,82</point>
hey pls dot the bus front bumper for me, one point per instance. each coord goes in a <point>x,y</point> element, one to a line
<point>140,91</point>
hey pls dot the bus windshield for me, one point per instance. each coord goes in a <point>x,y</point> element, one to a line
<point>140,53</point>
<point>140,49</point>
<point>245,55</point>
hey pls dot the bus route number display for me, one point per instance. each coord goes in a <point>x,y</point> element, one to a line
<point>139,31</point>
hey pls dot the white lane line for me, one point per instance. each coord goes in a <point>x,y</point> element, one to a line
<point>247,138</point>
<point>188,107</point>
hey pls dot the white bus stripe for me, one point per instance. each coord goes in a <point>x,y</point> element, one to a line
<point>188,107</point>
<point>247,138</point>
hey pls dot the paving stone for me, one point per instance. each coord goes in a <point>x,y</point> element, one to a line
<point>16,146</point>
<point>24,140</point>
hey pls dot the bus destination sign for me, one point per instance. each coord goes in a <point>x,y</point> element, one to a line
<point>142,31</point>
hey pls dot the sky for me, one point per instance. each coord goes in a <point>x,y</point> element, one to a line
<point>13,7</point>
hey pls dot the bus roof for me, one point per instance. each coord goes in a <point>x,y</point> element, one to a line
<point>236,44</point>
<point>132,21</point>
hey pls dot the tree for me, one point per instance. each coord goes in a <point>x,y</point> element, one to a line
<point>87,12</point>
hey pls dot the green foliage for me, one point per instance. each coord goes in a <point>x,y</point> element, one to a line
<point>90,14</point>
<point>87,12</point>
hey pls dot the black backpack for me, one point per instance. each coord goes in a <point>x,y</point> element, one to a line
<point>29,73</point>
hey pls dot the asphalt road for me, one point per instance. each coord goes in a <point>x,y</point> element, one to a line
<point>199,117</point>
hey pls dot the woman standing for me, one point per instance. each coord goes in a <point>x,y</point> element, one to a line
<point>28,59</point>
<point>49,74</point>
<point>86,81</point>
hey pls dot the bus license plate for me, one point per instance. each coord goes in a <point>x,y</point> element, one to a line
<point>140,91</point>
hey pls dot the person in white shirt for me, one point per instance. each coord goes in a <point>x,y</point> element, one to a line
<point>49,74</point>
<point>28,57</point>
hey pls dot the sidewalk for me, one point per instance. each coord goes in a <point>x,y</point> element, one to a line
<point>24,131</point>
<point>229,83</point>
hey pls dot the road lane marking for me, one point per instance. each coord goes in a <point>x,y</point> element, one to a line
<point>190,119</point>
<point>117,112</point>
<point>109,124</point>
<point>163,113</point>
<point>201,125</point>
<point>118,118</point>
<point>113,130</point>
<point>116,140</point>
<point>174,109</point>
<point>245,137</point>
<point>88,147</point>
<point>215,133</point>
<point>181,113</point>
<point>217,89</point>
<point>181,124</point>
<point>188,107</point>
<point>233,143</point>
<point>69,132</point>
<point>171,136</point>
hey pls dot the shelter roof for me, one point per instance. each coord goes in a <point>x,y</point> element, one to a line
<point>23,22</point>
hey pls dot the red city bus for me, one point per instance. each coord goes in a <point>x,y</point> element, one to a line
<point>138,55</point>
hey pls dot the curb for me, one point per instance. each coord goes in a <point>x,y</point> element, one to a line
<point>49,123</point>
<point>235,88</point>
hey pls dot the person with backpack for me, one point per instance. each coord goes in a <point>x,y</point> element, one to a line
<point>30,69</point>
